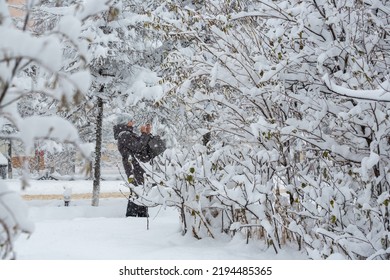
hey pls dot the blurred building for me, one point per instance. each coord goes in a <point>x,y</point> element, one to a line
<point>16,7</point>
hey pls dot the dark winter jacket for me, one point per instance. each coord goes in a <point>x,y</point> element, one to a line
<point>128,142</point>
<point>118,128</point>
<point>135,148</point>
<point>128,145</point>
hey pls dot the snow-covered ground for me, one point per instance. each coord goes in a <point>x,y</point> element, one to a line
<point>83,232</point>
<point>79,241</point>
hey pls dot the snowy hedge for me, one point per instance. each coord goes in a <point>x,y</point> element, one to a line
<point>295,99</point>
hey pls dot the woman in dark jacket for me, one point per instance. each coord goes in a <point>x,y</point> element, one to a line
<point>127,144</point>
<point>132,149</point>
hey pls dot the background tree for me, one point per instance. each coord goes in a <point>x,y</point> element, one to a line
<point>120,51</point>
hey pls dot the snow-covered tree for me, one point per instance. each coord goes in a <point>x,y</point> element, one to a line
<point>38,66</point>
<point>121,78</point>
<point>120,52</point>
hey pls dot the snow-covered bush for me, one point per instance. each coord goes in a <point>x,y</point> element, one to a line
<point>13,222</point>
<point>228,190</point>
<point>296,94</point>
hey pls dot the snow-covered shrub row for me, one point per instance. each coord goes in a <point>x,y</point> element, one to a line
<point>295,95</point>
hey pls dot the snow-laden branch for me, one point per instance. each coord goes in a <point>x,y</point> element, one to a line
<point>382,94</point>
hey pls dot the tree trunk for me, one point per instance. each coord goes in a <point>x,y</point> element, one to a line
<point>206,137</point>
<point>98,152</point>
<point>10,159</point>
